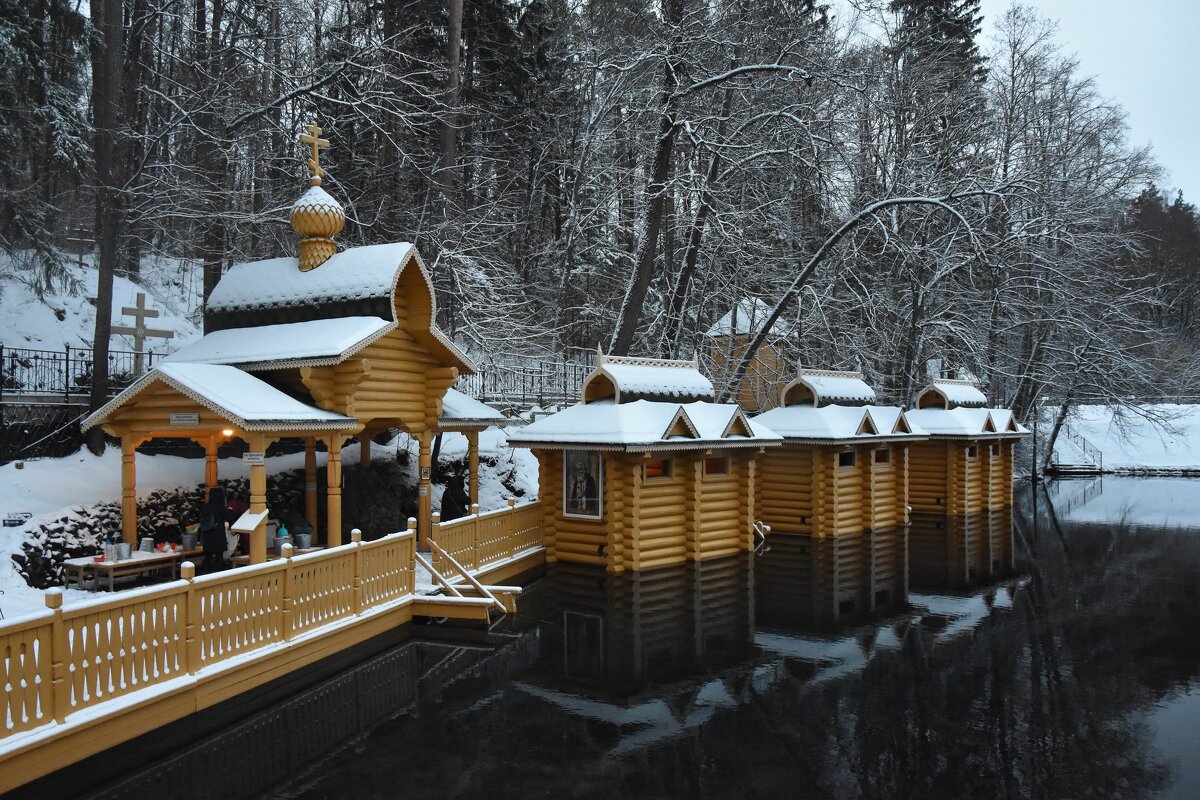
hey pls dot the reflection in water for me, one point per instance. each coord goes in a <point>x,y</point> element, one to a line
<point>806,581</point>
<point>1044,669</point>
<point>960,552</point>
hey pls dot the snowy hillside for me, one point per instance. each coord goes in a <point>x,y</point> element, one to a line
<point>1132,442</point>
<point>172,287</point>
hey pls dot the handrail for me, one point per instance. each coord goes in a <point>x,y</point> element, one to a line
<point>471,579</point>
<point>438,576</point>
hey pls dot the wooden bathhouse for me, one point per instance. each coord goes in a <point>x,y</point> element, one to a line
<point>646,471</point>
<point>966,463</point>
<point>959,552</point>
<point>843,466</point>
<point>727,340</point>
<point>324,346</point>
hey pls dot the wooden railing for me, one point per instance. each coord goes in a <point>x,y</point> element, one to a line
<point>60,661</point>
<point>477,540</point>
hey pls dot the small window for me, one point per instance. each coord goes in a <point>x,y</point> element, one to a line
<point>973,451</point>
<point>995,449</point>
<point>716,465</point>
<point>883,455</point>
<point>583,484</point>
<point>846,458</point>
<point>656,468</point>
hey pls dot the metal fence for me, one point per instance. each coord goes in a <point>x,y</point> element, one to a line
<point>28,375</point>
<point>524,382</point>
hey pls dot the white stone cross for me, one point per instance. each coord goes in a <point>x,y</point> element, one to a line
<point>139,331</point>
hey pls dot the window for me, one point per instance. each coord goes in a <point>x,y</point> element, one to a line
<point>846,458</point>
<point>973,451</point>
<point>716,465</point>
<point>656,468</point>
<point>995,449</point>
<point>883,455</point>
<point>583,484</point>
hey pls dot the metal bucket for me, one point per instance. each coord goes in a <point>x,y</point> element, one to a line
<point>280,542</point>
<point>124,551</point>
<point>303,541</point>
<point>146,545</point>
<point>190,540</point>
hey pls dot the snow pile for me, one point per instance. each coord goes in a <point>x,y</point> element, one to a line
<point>172,287</point>
<point>1130,441</point>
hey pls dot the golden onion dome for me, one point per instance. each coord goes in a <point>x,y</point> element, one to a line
<point>316,216</point>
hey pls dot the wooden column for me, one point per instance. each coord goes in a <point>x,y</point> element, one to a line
<point>257,443</point>
<point>473,465</point>
<point>424,500</point>
<point>364,450</point>
<point>310,484</point>
<point>210,464</point>
<point>129,445</point>
<point>333,491</point>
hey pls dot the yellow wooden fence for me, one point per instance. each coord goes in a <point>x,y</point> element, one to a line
<point>62,660</point>
<point>478,540</point>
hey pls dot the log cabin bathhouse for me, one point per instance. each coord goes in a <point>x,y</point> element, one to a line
<point>843,466</point>
<point>323,347</point>
<point>646,471</point>
<point>965,465</point>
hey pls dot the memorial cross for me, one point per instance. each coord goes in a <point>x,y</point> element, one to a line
<point>139,331</point>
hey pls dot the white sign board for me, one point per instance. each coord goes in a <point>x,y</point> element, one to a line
<point>16,520</point>
<point>253,458</point>
<point>184,418</point>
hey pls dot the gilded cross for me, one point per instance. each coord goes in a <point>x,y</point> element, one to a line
<point>314,140</point>
<point>139,331</point>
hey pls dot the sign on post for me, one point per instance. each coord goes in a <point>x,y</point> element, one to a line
<point>253,458</point>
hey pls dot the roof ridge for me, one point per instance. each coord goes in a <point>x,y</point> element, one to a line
<point>956,382</point>
<point>831,373</point>
<point>645,361</point>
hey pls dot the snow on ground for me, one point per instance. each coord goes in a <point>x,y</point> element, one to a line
<point>1131,442</point>
<point>53,487</point>
<point>172,287</point>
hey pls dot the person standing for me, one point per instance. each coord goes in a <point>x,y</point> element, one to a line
<point>214,517</point>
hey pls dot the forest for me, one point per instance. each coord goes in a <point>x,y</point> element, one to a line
<point>904,194</point>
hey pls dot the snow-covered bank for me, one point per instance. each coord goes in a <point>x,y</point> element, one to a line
<point>66,317</point>
<point>1133,443</point>
<point>1129,501</point>
<point>50,489</point>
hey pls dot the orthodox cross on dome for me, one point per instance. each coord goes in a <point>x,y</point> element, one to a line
<point>314,140</point>
<point>139,331</point>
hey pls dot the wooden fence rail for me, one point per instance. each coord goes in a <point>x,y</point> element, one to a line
<point>481,539</point>
<point>60,661</point>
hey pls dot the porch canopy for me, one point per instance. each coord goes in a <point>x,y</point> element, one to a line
<point>210,403</point>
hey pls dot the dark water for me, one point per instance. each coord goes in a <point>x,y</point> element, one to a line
<point>1048,653</point>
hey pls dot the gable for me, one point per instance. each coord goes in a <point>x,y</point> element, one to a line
<point>867,426</point>
<point>738,426</point>
<point>681,425</point>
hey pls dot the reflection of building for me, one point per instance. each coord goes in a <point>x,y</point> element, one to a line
<point>967,464</point>
<point>843,466</point>
<point>618,637</point>
<point>958,552</point>
<point>646,471</point>
<point>810,581</point>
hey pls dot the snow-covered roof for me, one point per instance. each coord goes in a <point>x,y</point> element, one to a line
<point>828,386</point>
<point>237,396</point>
<point>949,393</point>
<point>313,343</point>
<point>356,273</point>
<point>966,423</point>
<point>463,410</point>
<point>627,379</point>
<point>838,423</point>
<point>316,199</point>
<point>645,425</point>
<point>751,314</point>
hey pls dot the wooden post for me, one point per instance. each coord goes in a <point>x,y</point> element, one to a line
<point>59,647</point>
<point>129,489</point>
<point>258,498</point>
<point>210,464</point>
<point>364,450</point>
<point>286,605</point>
<point>310,483</point>
<point>473,465</point>
<point>191,648</point>
<point>424,500</point>
<point>333,491</point>
<point>356,538</point>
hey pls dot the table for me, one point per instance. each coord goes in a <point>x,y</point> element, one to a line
<point>139,562</point>
<point>298,551</point>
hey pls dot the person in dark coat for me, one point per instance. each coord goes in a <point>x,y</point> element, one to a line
<point>455,500</point>
<point>213,517</point>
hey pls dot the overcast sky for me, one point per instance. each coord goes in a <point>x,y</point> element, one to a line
<point>1145,55</point>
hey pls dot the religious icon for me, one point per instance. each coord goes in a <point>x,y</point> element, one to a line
<point>582,484</point>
